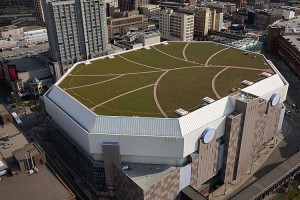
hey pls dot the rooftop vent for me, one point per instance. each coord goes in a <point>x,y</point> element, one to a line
<point>181,112</point>
<point>86,62</point>
<point>110,56</point>
<point>265,74</point>
<point>208,100</point>
<point>248,83</point>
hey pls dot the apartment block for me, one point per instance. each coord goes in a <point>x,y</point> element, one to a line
<point>127,5</point>
<point>120,25</point>
<point>28,11</point>
<point>176,26</point>
<point>262,19</point>
<point>39,12</point>
<point>76,30</point>
<point>205,19</point>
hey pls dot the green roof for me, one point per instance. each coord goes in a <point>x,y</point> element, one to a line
<point>162,79</point>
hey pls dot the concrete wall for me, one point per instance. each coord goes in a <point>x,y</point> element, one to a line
<point>126,189</point>
<point>231,138</point>
<point>68,125</point>
<point>166,188</point>
<point>208,160</point>
<point>143,146</point>
<point>11,33</point>
<point>150,41</point>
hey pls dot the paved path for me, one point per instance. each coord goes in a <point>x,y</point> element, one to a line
<point>183,51</point>
<point>155,94</point>
<point>92,84</point>
<point>207,61</point>
<point>76,94</point>
<point>214,80</point>
<point>138,63</point>
<point>116,97</point>
<point>249,68</point>
<point>174,56</point>
<point>130,73</point>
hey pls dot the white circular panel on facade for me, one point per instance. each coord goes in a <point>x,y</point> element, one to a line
<point>208,134</point>
<point>275,98</point>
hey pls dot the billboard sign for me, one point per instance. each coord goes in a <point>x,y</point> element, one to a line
<point>12,72</point>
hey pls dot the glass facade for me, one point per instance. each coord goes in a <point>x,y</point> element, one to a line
<point>92,171</point>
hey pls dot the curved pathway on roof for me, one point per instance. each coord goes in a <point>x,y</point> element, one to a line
<point>214,80</point>
<point>207,61</point>
<point>231,67</point>
<point>129,73</point>
<point>82,86</point>
<point>76,94</point>
<point>174,56</point>
<point>183,51</point>
<point>249,68</point>
<point>138,63</point>
<point>116,97</point>
<point>155,94</point>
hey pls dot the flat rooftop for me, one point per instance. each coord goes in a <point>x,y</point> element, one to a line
<point>144,175</point>
<point>155,82</point>
<point>14,138</point>
<point>294,40</point>
<point>43,185</point>
<point>3,110</point>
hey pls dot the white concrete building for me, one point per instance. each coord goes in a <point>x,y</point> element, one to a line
<point>172,141</point>
<point>176,26</point>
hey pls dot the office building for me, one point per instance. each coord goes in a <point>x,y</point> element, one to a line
<point>238,3</point>
<point>28,11</point>
<point>176,26</point>
<point>207,19</point>
<point>220,7</point>
<point>150,130</point>
<point>122,22</point>
<point>284,41</point>
<point>128,5</point>
<point>262,18</point>
<point>258,3</point>
<point>77,30</point>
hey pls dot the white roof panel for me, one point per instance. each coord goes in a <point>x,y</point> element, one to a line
<point>205,115</point>
<point>137,126</point>
<point>265,86</point>
<point>81,114</point>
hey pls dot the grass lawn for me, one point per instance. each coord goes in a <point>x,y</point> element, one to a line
<point>154,58</point>
<point>100,93</point>
<point>173,48</point>
<point>140,103</point>
<point>181,88</point>
<point>234,57</point>
<point>200,52</point>
<point>175,90</point>
<point>71,81</point>
<point>232,78</point>
<point>116,65</point>
<point>85,101</point>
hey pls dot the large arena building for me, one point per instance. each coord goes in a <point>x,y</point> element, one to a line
<point>147,123</point>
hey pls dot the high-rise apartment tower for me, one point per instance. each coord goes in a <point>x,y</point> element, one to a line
<point>76,30</point>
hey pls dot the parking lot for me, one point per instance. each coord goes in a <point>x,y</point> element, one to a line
<point>21,52</point>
